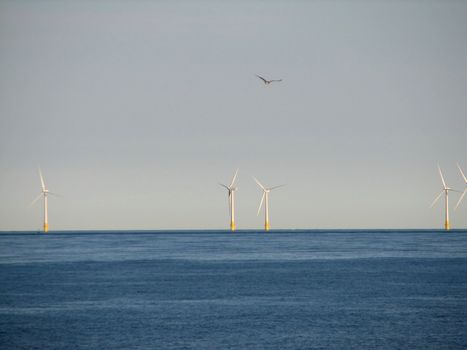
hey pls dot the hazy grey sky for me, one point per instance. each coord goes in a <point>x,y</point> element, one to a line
<point>135,110</point>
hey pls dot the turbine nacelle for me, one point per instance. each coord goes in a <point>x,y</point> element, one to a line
<point>229,189</point>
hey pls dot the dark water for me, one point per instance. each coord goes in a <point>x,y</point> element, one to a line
<point>216,290</point>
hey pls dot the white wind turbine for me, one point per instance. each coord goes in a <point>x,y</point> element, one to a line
<point>231,189</point>
<point>465,187</point>
<point>265,199</point>
<point>44,192</point>
<point>445,190</point>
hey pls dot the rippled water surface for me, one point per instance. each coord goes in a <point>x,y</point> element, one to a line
<point>248,290</point>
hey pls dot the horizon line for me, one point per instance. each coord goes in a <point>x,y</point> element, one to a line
<point>223,230</point>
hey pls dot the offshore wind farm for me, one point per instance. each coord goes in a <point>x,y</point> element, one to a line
<point>232,188</point>
<point>138,141</point>
<point>169,128</point>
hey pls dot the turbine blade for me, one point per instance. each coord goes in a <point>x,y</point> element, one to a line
<point>436,199</point>
<point>442,178</point>
<point>460,199</point>
<point>272,188</point>
<point>261,203</point>
<point>35,200</point>
<point>224,186</point>
<point>233,179</point>
<point>259,184</point>
<point>42,180</point>
<point>465,179</point>
<point>55,194</point>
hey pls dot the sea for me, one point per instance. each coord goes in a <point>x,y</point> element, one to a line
<point>287,289</point>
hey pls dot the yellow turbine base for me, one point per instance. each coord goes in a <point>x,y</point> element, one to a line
<point>447,227</point>
<point>46,228</point>
<point>232,226</point>
<point>266,226</point>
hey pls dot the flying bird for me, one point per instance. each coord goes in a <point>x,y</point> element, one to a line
<point>266,81</point>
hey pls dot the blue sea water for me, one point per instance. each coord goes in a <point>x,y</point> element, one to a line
<point>248,290</point>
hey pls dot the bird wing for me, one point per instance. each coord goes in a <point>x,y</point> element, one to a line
<point>264,80</point>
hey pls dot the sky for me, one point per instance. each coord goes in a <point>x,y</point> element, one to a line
<point>136,110</point>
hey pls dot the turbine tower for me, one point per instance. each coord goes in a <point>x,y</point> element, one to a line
<point>231,189</point>
<point>44,193</point>
<point>265,199</point>
<point>446,190</point>
<point>465,187</point>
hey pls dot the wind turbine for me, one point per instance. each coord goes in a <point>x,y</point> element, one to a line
<point>231,189</point>
<point>446,190</point>
<point>465,187</point>
<point>44,192</point>
<point>265,198</point>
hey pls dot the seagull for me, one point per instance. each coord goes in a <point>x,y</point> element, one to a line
<point>267,82</point>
